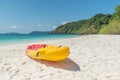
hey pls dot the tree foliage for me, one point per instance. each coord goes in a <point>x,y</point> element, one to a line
<point>90,26</point>
<point>117,10</point>
<point>116,15</point>
<point>100,23</point>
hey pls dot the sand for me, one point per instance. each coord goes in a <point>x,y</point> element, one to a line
<point>92,57</point>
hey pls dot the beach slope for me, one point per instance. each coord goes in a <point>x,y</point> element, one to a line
<point>92,57</point>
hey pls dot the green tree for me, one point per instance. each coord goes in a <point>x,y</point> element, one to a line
<point>117,10</point>
<point>100,23</point>
<point>116,16</point>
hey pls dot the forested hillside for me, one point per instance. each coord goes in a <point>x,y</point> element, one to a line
<point>100,23</point>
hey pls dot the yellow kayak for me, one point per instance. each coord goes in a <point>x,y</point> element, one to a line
<point>47,52</point>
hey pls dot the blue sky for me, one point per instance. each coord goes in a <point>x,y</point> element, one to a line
<point>24,16</point>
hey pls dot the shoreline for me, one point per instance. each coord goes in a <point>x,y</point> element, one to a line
<point>34,40</point>
<point>92,57</point>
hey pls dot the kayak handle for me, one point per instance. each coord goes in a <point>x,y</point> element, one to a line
<point>37,54</point>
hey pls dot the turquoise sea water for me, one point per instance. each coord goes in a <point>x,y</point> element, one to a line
<point>20,38</point>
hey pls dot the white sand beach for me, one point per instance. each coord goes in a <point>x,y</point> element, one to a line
<point>92,57</point>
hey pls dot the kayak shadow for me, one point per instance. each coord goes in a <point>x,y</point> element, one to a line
<point>66,64</point>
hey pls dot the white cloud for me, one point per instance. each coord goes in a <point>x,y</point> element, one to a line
<point>54,27</point>
<point>65,22</point>
<point>48,25</point>
<point>39,24</point>
<point>14,27</point>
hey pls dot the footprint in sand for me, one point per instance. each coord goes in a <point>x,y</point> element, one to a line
<point>23,63</point>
